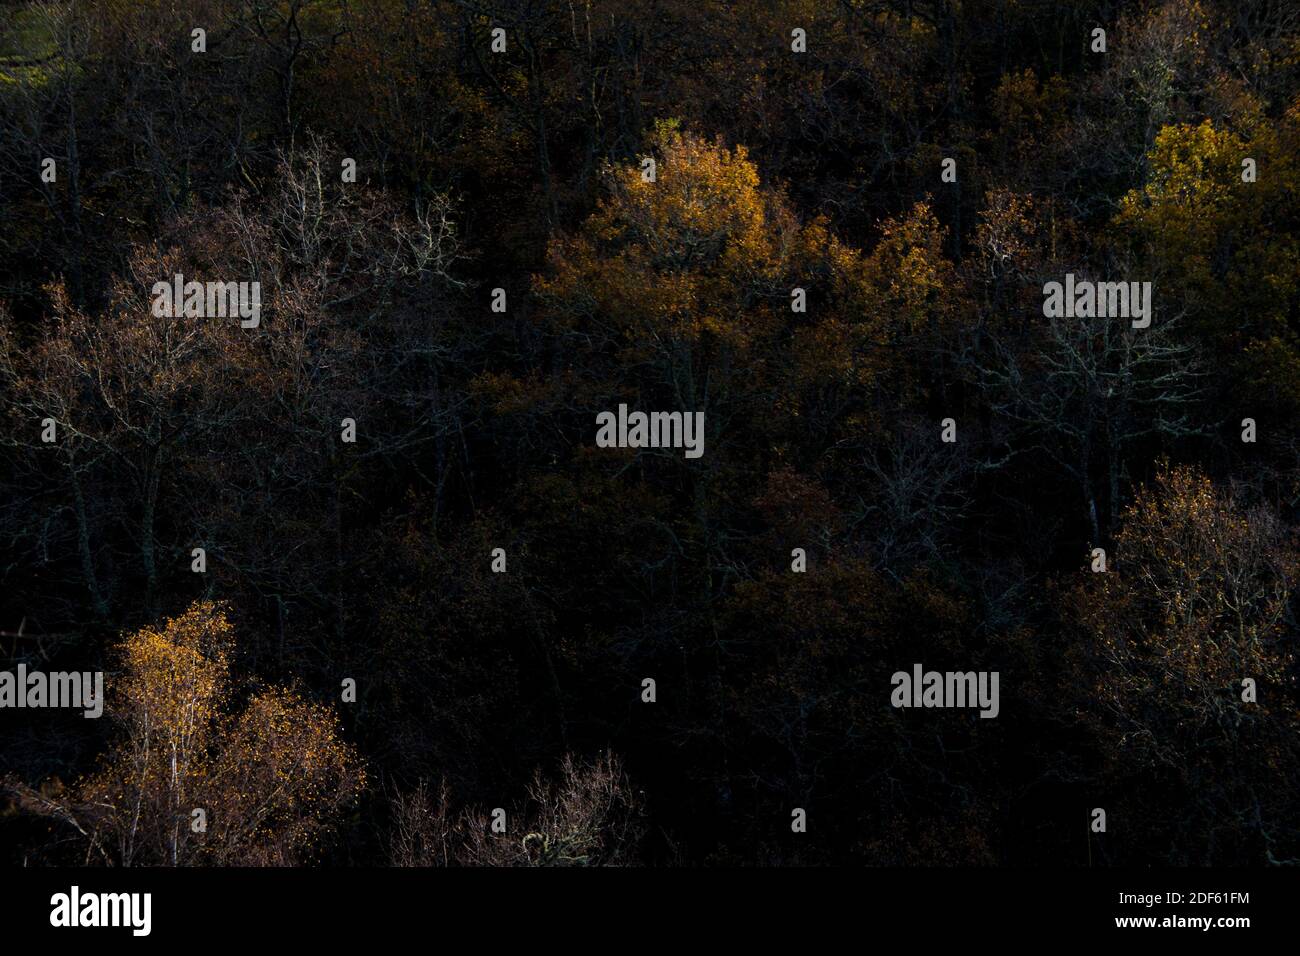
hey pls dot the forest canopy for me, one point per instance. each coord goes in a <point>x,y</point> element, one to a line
<point>364,586</point>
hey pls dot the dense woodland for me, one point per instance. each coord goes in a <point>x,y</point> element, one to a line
<point>522,170</point>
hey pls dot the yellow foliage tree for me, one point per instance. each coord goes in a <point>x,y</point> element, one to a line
<point>188,781</point>
<point>695,250</point>
<point>1224,250</point>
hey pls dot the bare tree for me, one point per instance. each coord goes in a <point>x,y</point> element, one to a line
<point>588,816</point>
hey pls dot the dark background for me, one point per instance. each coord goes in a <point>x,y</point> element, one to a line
<point>775,170</point>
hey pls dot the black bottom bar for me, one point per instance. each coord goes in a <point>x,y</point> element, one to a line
<point>668,906</point>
